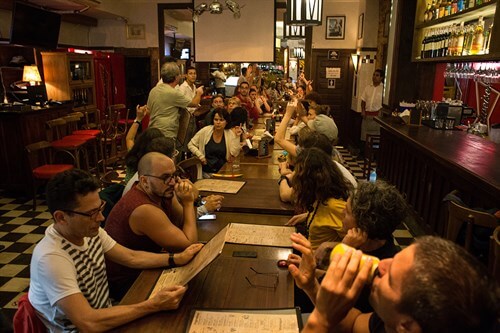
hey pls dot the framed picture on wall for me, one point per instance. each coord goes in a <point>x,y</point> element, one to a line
<point>335,27</point>
<point>360,25</point>
<point>136,31</point>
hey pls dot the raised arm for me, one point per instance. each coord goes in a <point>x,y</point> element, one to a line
<point>197,98</point>
<point>279,138</point>
<point>162,229</point>
<point>141,112</point>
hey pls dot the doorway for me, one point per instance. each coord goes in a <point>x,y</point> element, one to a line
<point>138,80</point>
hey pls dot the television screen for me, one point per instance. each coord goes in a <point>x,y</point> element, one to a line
<point>35,27</point>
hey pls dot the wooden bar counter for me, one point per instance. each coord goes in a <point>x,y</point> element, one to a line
<point>17,130</point>
<point>426,164</point>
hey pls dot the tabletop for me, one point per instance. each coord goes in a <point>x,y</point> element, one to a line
<point>222,284</point>
<point>258,196</point>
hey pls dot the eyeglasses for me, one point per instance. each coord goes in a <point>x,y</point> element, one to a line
<point>93,214</point>
<point>259,279</point>
<point>166,178</point>
<point>175,153</point>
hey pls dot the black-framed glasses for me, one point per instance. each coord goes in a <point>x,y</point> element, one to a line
<point>166,178</point>
<point>263,280</point>
<point>93,214</point>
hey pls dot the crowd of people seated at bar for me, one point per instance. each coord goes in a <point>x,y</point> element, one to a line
<point>79,267</point>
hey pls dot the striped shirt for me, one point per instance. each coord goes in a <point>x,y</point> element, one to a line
<point>60,269</point>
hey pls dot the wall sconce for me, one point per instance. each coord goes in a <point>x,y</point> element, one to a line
<point>293,31</point>
<point>355,59</point>
<point>31,75</point>
<point>299,52</point>
<point>304,12</point>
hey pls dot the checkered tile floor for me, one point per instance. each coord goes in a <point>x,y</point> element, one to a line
<point>21,229</point>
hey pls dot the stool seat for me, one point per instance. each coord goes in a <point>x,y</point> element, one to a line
<point>87,132</point>
<point>49,170</point>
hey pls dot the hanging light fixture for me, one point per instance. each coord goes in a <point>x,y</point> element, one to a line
<point>299,52</point>
<point>304,12</point>
<point>216,8</point>
<point>293,31</point>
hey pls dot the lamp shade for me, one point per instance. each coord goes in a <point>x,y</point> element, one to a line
<point>304,12</point>
<point>31,74</point>
<point>293,31</point>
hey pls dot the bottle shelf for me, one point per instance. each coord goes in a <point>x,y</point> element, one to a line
<point>486,9</point>
<point>468,58</point>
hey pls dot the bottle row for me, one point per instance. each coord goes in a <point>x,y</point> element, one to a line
<point>439,9</point>
<point>457,40</point>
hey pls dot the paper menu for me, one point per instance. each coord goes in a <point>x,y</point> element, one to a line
<point>218,185</point>
<point>182,275</point>
<point>254,234</point>
<point>245,321</point>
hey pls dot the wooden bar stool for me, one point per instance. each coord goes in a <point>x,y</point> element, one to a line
<point>74,147</point>
<point>40,157</point>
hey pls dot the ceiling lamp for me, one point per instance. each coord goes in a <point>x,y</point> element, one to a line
<point>216,8</point>
<point>293,31</point>
<point>304,12</point>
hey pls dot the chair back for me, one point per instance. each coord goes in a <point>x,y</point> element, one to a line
<point>72,121</point>
<point>187,129</point>
<point>458,215</point>
<point>92,119</point>
<point>55,129</point>
<point>192,168</point>
<point>39,153</point>
<point>494,260</point>
<point>26,320</point>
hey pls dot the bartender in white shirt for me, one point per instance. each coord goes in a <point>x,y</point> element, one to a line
<point>188,87</point>
<point>371,105</point>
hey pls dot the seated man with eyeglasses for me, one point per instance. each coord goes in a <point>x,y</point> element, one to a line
<point>157,213</point>
<point>68,282</point>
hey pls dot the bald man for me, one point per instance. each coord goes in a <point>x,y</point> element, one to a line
<point>157,213</point>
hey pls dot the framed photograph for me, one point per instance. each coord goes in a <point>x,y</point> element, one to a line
<point>136,31</point>
<point>335,27</point>
<point>360,25</point>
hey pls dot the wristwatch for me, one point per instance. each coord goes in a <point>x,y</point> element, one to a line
<point>283,177</point>
<point>137,122</point>
<point>171,262</point>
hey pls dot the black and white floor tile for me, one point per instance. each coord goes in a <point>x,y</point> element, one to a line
<point>21,228</point>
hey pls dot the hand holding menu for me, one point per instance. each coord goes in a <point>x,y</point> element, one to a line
<point>182,275</point>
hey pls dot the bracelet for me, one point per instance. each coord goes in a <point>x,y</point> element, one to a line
<point>137,122</point>
<point>171,262</point>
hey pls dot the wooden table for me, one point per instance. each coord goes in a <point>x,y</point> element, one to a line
<point>253,171</point>
<point>257,196</point>
<point>220,285</point>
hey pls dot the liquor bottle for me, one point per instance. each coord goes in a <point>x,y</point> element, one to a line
<point>460,40</point>
<point>454,7</point>
<point>423,46</point>
<point>428,13</point>
<point>471,4</point>
<point>468,35</point>
<point>478,39</point>
<point>441,9</point>
<point>460,5</point>
<point>447,9</point>
<point>487,40</point>
<point>435,10</point>
<point>479,2</point>
<point>452,41</point>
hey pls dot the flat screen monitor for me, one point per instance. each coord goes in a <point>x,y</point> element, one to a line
<point>32,26</point>
<point>37,95</point>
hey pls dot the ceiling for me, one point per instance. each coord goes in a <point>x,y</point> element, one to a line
<point>82,7</point>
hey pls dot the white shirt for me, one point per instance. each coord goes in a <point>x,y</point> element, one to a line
<point>189,92</point>
<point>372,96</point>
<point>220,78</point>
